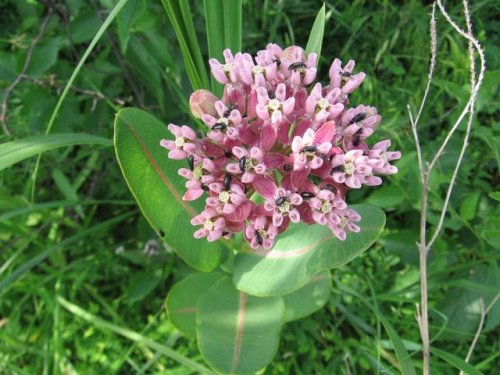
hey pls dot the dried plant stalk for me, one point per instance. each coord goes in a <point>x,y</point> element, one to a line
<point>426,241</point>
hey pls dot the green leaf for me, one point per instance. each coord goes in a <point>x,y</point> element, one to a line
<point>183,297</point>
<point>214,18</point>
<point>232,25</point>
<point>456,362</point>
<point>468,206</point>
<point>495,195</point>
<point>310,298</point>
<point>315,40</point>
<point>238,333</point>
<point>141,284</point>
<point>180,15</point>
<point>399,347</point>
<point>134,336</point>
<point>131,12</point>
<point>301,252</point>
<point>153,180</point>
<point>18,150</point>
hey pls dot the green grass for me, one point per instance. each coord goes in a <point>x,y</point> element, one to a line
<point>61,260</point>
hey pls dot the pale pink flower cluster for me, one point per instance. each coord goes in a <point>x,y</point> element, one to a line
<point>281,147</point>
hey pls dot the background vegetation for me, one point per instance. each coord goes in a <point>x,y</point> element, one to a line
<point>82,239</point>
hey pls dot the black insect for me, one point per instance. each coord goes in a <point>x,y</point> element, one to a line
<point>243,163</point>
<point>204,187</point>
<point>358,118</point>
<point>161,233</point>
<point>259,238</point>
<point>345,75</point>
<point>280,201</point>
<point>287,167</point>
<point>297,65</point>
<point>277,61</point>
<point>228,112</point>
<point>330,187</point>
<point>338,168</point>
<point>306,194</point>
<point>356,138</point>
<point>219,126</point>
<point>228,154</point>
<point>309,149</point>
<point>191,162</point>
<point>227,182</point>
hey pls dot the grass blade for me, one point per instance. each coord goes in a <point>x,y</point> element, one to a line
<point>186,36</point>
<point>399,347</point>
<point>134,336</point>
<point>112,15</point>
<point>232,25</point>
<point>214,18</point>
<point>27,266</point>
<point>456,362</point>
<point>316,37</point>
<point>18,150</point>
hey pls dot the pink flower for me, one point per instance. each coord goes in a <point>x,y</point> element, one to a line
<point>225,200</point>
<point>299,69</point>
<point>223,125</point>
<point>306,150</point>
<point>202,102</point>
<point>323,205</point>
<point>258,74</point>
<point>273,106</point>
<point>261,232</point>
<point>227,72</point>
<point>183,144</point>
<point>282,204</point>
<point>350,168</point>
<point>198,178</point>
<point>343,78</point>
<point>342,221</point>
<point>213,224</point>
<point>271,138</point>
<point>380,158</point>
<point>323,107</point>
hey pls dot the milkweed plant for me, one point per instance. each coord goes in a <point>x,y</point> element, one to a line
<point>279,137</point>
<point>254,197</point>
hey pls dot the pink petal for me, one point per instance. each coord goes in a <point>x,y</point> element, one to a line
<point>192,194</point>
<point>325,133</point>
<point>268,137</point>
<point>274,160</point>
<point>264,186</point>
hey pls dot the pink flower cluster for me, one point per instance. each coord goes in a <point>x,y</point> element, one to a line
<point>281,147</point>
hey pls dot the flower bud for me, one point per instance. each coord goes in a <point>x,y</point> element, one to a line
<point>202,102</point>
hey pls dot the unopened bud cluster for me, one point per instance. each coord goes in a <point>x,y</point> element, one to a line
<point>281,147</point>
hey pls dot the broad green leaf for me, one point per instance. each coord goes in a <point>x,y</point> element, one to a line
<point>20,149</point>
<point>183,297</point>
<point>301,252</point>
<point>131,12</point>
<point>238,333</point>
<point>315,40</point>
<point>310,298</point>
<point>456,362</point>
<point>153,180</point>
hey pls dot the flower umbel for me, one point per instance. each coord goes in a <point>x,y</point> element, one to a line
<point>300,146</point>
